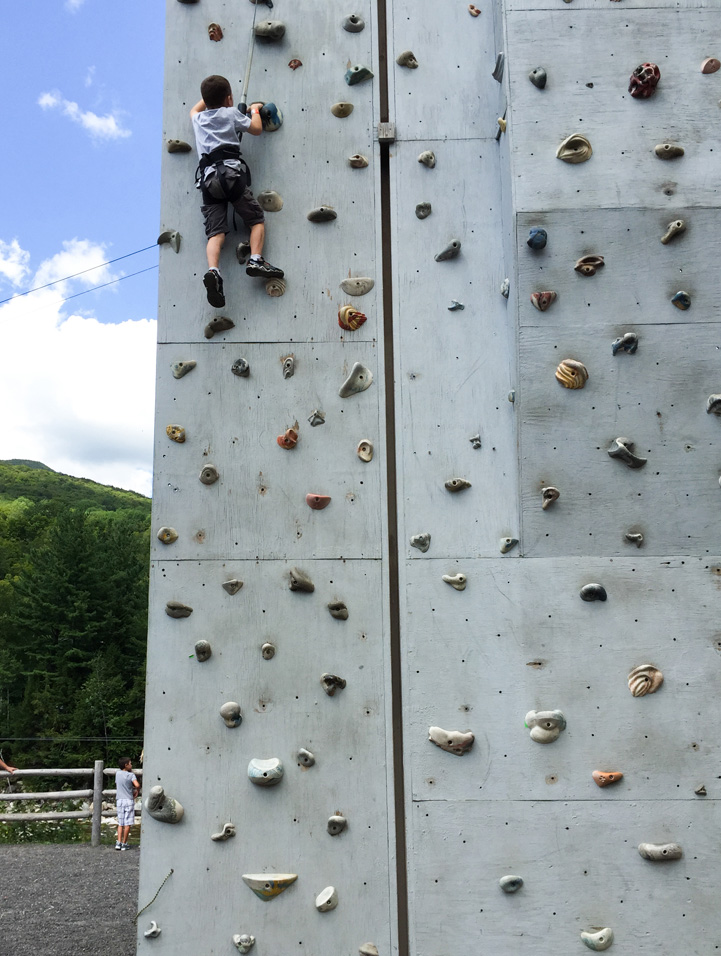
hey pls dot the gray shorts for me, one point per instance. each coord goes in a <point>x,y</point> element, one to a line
<point>215,207</point>
<point>126,813</point>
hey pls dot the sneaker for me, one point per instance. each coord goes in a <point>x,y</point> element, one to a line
<point>263,270</point>
<point>123,847</point>
<point>213,282</point>
<point>118,846</point>
<point>126,846</point>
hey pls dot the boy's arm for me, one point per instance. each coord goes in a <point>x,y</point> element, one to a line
<point>136,786</point>
<point>256,124</point>
<point>198,108</point>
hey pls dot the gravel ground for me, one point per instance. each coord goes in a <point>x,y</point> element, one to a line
<point>64,900</point>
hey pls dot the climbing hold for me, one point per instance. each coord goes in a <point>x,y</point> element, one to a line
<point>269,31</point>
<point>701,791</point>
<point>175,433</point>
<point>267,886</point>
<point>226,833</point>
<point>330,683</point>
<point>317,502</point>
<point>625,343</point>
<point>268,651</point>
<point>456,306</point>
<point>341,110</point>
<point>356,74</point>
<point>299,581</point>
<point>548,496</point>
<point>660,851</point>
<point>475,441</point>
<point>317,417</point>
<point>510,884</point>
<point>177,609</point>
<point>336,824</point>
<point>365,450</point>
<point>713,405</point>
<point>265,773</point>
<point>644,679</point>
<point>537,238</point>
<point>675,228</point>
<point>634,538</point>
<point>538,77</point>
<point>497,73</point>
<point>209,475</point>
<point>271,117</point>
<point>457,581</point>
<point>370,949</point>
<point>622,449</point>
<point>423,210</point>
<point>427,158</point>
<point>275,287</point>
<point>353,23</point>
<point>572,374</point>
<point>545,725</point>
<point>289,438</point>
<point>232,587</point>
<point>172,238</point>
<point>338,610</point>
<point>322,214</point>
<point>230,712</point>
<point>349,318</point>
<point>421,541</point>
<point>326,900</point>
<point>215,32</point>
<point>574,149</point>
<point>457,484</point>
<point>406,58</point>
<point>178,146</point>
<point>218,324</point>
<point>450,252</point>
<point>154,930</point>
<point>588,265</point>
<point>598,941</point>
<point>512,396</point>
<point>269,200</point>
<point>359,380</point>
<point>456,742</point>
<point>502,124</point>
<point>288,363</point>
<point>240,367</point>
<point>542,300</point>
<point>242,251</point>
<point>357,161</point>
<point>203,651</point>
<point>604,778</point>
<point>507,544</point>
<point>644,80</point>
<point>305,758</point>
<point>294,63</point>
<point>474,11</point>
<point>243,943</point>
<point>167,535</point>
<point>358,285</point>
<point>163,808</point>
<point>593,592</point>
<point>682,300</point>
<point>506,288</point>
<point>710,65</point>
<point>668,151</point>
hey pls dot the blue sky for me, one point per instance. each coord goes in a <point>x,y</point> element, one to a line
<point>82,110</point>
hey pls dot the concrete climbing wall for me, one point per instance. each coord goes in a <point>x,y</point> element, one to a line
<point>519,638</point>
<point>253,524</point>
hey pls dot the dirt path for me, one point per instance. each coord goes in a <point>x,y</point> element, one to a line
<point>67,901</point>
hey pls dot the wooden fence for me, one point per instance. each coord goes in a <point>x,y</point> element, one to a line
<point>98,772</point>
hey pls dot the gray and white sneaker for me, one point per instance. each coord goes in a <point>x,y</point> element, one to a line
<point>259,268</point>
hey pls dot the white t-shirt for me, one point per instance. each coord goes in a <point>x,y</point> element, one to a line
<point>124,786</point>
<point>214,128</point>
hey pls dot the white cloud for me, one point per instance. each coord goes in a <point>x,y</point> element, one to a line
<point>73,5</point>
<point>90,76</point>
<point>99,127</point>
<point>75,393</point>
<point>13,261</point>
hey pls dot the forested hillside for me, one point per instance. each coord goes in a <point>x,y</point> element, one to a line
<point>73,617</point>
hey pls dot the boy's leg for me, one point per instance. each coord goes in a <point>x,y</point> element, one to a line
<point>252,215</point>
<point>257,238</point>
<point>215,244</point>
<point>215,216</point>
<point>118,840</point>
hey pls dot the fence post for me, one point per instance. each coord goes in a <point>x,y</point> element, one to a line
<point>97,802</point>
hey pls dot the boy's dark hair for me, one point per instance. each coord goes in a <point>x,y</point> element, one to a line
<point>123,761</point>
<point>214,90</point>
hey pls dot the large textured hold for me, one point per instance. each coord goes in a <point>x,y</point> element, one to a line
<point>358,73</point>
<point>162,807</point>
<point>265,773</point>
<point>203,651</point>
<point>269,200</point>
<point>572,374</point>
<point>625,343</point>
<point>240,367</point>
<point>270,30</point>
<point>456,742</point>
<point>275,287</point>
<point>289,438</point>
<point>243,943</point>
<point>421,541</point>
<point>357,285</point>
<point>427,158</point>
<point>644,679</point>
<point>574,149</point>
<point>359,380</point>
<point>545,725</point>
<point>644,80</point>
<point>350,319</point>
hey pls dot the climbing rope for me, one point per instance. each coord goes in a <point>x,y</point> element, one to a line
<point>135,920</point>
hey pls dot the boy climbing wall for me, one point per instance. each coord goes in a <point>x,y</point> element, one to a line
<point>224,178</point>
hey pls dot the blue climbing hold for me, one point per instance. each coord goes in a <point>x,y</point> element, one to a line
<point>356,74</point>
<point>271,117</point>
<point>537,238</point>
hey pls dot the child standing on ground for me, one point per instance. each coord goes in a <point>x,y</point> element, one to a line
<point>225,178</point>
<point>127,789</point>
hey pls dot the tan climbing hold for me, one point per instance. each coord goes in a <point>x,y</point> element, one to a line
<point>341,110</point>
<point>604,778</point>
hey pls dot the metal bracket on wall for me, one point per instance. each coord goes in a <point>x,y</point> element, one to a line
<point>386,132</point>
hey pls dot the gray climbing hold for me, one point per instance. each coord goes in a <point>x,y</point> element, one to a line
<point>338,610</point>
<point>421,541</point>
<point>270,31</point>
<point>226,833</point>
<point>634,537</point>
<point>660,851</point>
<point>545,725</point>
<point>365,450</point>
<point>242,251</point>
<point>178,146</point>
<point>407,59</point>
<point>336,824</point>
<point>305,758</point>
<point>427,158</point>
<point>593,592</point>
<point>507,544</point>
<point>275,287</point>
<point>341,110</point>
<point>456,306</point>
<point>598,941</point>
<point>330,683</point>
<point>232,587</point>
<point>675,228</point>
<point>268,651</point>
<point>327,899</point>
<point>622,450</point>
<point>353,23</point>
<point>357,74</point>
<point>510,884</point>
<point>512,396</point>
<point>167,535</point>
<point>358,285</point>
<point>170,237</point>
<point>288,362</point>
<point>265,773</point>
<point>163,808</point>
<point>322,214</point>
<point>457,581</point>
<point>358,161</point>
<point>299,581</point>
<point>506,288</point>
<point>177,609</point>
<point>682,300</point>
<point>475,441</point>
<point>241,368</point>
<point>625,343</point>
<point>548,496</point>
<point>457,484</point>
<point>179,369</point>
<point>368,949</point>
<point>269,200</point>
<point>701,791</point>
<point>230,712</point>
<point>317,417</point>
<point>359,380</point>
<point>498,68</point>
<point>154,931</point>
<point>209,475</point>
<point>203,651</point>
<point>538,77</point>
<point>456,742</point>
<point>220,323</point>
<point>668,151</point>
<point>713,405</point>
<point>450,252</point>
<point>423,210</point>
<point>537,238</point>
<point>243,943</point>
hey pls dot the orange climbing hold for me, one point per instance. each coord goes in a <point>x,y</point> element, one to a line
<point>349,318</point>
<point>289,439</point>
<point>604,778</point>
